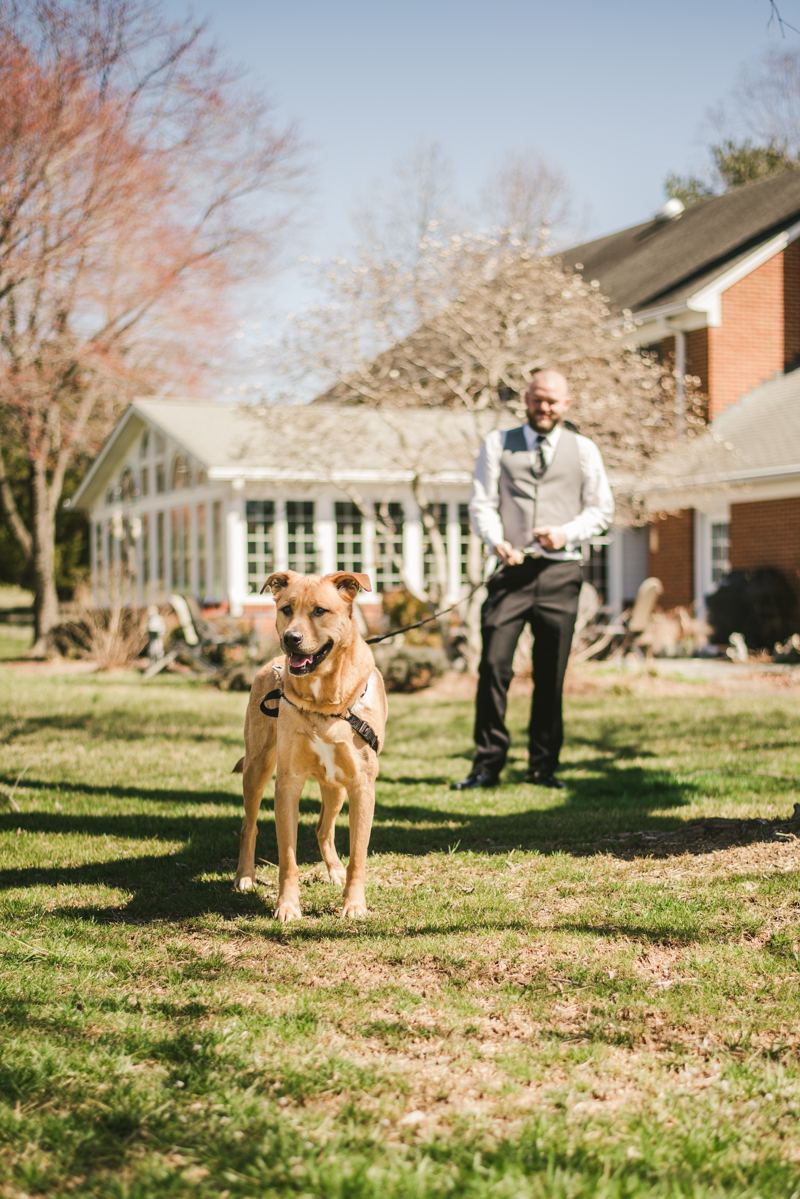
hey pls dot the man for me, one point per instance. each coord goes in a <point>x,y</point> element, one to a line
<point>538,491</point>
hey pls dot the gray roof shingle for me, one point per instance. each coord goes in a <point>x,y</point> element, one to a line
<point>758,437</point>
<point>660,261</point>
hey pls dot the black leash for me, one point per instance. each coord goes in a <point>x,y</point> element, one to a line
<point>364,730</point>
<point>407,628</point>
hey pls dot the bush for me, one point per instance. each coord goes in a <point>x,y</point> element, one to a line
<point>111,637</point>
<point>410,667</point>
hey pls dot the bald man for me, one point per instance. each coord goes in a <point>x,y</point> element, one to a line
<point>538,492</point>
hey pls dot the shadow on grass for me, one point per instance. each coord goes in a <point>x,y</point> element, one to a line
<point>604,814</point>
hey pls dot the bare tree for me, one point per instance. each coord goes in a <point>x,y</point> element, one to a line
<point>134,169</point>
<point>528,199</point>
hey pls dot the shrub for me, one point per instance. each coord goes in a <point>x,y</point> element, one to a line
<point>410,667</point>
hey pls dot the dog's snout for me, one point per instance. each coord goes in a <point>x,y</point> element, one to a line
<point>292,637</point>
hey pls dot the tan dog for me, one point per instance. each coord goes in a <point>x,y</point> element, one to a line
<point>328,675</point>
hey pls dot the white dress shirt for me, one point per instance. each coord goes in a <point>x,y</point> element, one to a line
<point>598,503</point>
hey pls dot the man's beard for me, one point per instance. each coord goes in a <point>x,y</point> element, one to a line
<point>543,425</point>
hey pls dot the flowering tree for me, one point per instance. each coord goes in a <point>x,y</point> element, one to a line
<point>133,172</point>
<point>505,311</point>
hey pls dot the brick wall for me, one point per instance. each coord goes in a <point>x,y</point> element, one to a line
<point>767,533</point>
<point>791,305</point>
<point>670,556</point>
<point>748,347</point>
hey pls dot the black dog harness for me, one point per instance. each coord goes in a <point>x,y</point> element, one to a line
<point>364,730</point>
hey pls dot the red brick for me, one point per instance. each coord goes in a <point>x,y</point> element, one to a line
<point>767,533</point>
<point>670,556</point>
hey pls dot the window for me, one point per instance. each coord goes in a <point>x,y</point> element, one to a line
<point>127,485</point>
<point>99,558</point>
<point>146,556</point>
<point>161,443</point>
<point>176,545</point>
<point>302,550</point>
<point>595,566</point>
<point>145,473</point>
<point>202,576</point>
<point>181,473</point>
<point>216,528</point>
<point>144,444</point>
<point>429,565</point>
<point>187,549</point>
<point>260,543</point>
<point>720,550</point>
<point>160,481</point>
<point>387,572</point>
<point>464,530</point>
<point>160,552</point>
<point>349,543</point>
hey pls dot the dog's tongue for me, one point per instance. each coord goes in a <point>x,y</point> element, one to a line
<point>298,660</point>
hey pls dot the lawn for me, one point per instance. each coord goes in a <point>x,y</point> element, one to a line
<point>586,993</point>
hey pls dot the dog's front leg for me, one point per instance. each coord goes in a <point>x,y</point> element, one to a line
<point>362,807</point>
<point>288,789</point>
<point>257,772</point>
<point>332,800</point>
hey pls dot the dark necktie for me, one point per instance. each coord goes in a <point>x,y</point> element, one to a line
<point>539,463</point>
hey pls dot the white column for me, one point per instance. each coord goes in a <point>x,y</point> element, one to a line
<point>615,569</point>
<point>453,553</point>
<point>412,544</point>
<point>326,534</point>
<point>236,537</point>
<point>281,536</point>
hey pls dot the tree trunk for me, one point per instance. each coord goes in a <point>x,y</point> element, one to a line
<point>43,530</point>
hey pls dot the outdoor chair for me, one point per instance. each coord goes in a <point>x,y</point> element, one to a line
<point>615,639</point>
<point>199,635</point>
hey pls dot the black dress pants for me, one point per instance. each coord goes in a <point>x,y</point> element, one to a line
<point>543,593</point>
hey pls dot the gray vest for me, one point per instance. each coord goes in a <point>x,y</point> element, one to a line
<point>526,502</point>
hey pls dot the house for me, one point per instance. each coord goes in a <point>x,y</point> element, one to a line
<point>746,470</point>
<point>715,289</point>
<point>210,498</point>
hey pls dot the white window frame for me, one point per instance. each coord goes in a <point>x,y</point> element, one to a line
<point>703,560</point>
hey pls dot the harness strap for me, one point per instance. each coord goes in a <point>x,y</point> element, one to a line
<point>364,730</point>
<point>270,696</point>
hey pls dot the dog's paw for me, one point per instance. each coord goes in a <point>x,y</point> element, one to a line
<point>354,909</point>
<point>245,883</point>
<point>337,875</point>
<point>287,911</point>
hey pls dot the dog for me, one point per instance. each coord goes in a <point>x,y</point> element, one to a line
<point>319,712</point>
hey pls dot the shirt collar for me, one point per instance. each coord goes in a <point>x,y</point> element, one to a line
<point>551,438</point>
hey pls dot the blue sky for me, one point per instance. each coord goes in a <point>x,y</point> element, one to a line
<point>612,92</point>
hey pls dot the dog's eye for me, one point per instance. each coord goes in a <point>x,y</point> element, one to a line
<point>287,609</point>
<point>319,611</point>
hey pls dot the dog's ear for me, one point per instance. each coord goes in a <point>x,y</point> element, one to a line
<point>349,582</point>
<point>279,582</point>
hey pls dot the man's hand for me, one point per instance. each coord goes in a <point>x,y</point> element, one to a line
<point>551,537</point>
<point>507,554</point>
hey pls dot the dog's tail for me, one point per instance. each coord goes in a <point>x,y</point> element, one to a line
<point>239,767</point>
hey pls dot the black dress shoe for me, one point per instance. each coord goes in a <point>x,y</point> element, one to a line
<point>478,778</point>
<point>540,778</point>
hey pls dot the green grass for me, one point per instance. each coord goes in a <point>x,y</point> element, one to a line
<point>536,1006</point>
